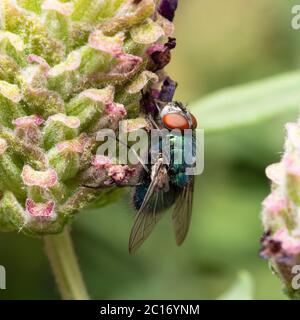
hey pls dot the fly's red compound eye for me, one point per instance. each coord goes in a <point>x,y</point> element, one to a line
<point>178,121</point>
<point>175,121</point>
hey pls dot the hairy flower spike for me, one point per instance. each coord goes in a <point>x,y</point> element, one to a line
<point>281,211</point>
<point>67,70</point>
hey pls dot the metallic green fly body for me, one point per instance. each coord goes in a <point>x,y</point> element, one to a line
<point>166,182</point>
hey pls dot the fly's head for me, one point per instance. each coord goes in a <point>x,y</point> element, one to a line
<point>175,115</point>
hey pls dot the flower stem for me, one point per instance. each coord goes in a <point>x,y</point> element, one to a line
<point>62,257</point>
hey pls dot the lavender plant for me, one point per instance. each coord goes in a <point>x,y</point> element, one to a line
<point>280,216</point>
<point>67,70</point>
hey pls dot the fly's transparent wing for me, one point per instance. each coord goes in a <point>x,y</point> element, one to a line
<point>147,216</point>
<point>144,224</point>
<point>182,212</point>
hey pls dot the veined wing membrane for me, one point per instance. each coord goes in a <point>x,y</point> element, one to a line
<point>148,215</point>
<point>182,212</point>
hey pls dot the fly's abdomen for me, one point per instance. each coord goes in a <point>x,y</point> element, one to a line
<point>160,200</point>
<point>139,194</point>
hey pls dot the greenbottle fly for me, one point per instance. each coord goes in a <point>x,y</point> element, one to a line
<point>166,182</point>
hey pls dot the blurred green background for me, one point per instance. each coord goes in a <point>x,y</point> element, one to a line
<point>220,44</point>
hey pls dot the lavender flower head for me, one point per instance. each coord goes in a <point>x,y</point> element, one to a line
<point>281,212</point>
<point>69,69</point>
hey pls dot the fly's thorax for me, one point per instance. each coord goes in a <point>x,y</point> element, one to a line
<point>183,149</point>
<point>174,149</point>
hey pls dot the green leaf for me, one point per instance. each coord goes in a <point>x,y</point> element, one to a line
<point>242,289</point>
<point>248,104</point>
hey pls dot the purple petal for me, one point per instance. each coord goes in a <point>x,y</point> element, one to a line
<point>148,101</point>
<point>167,8</point>
<point>168,90</point>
